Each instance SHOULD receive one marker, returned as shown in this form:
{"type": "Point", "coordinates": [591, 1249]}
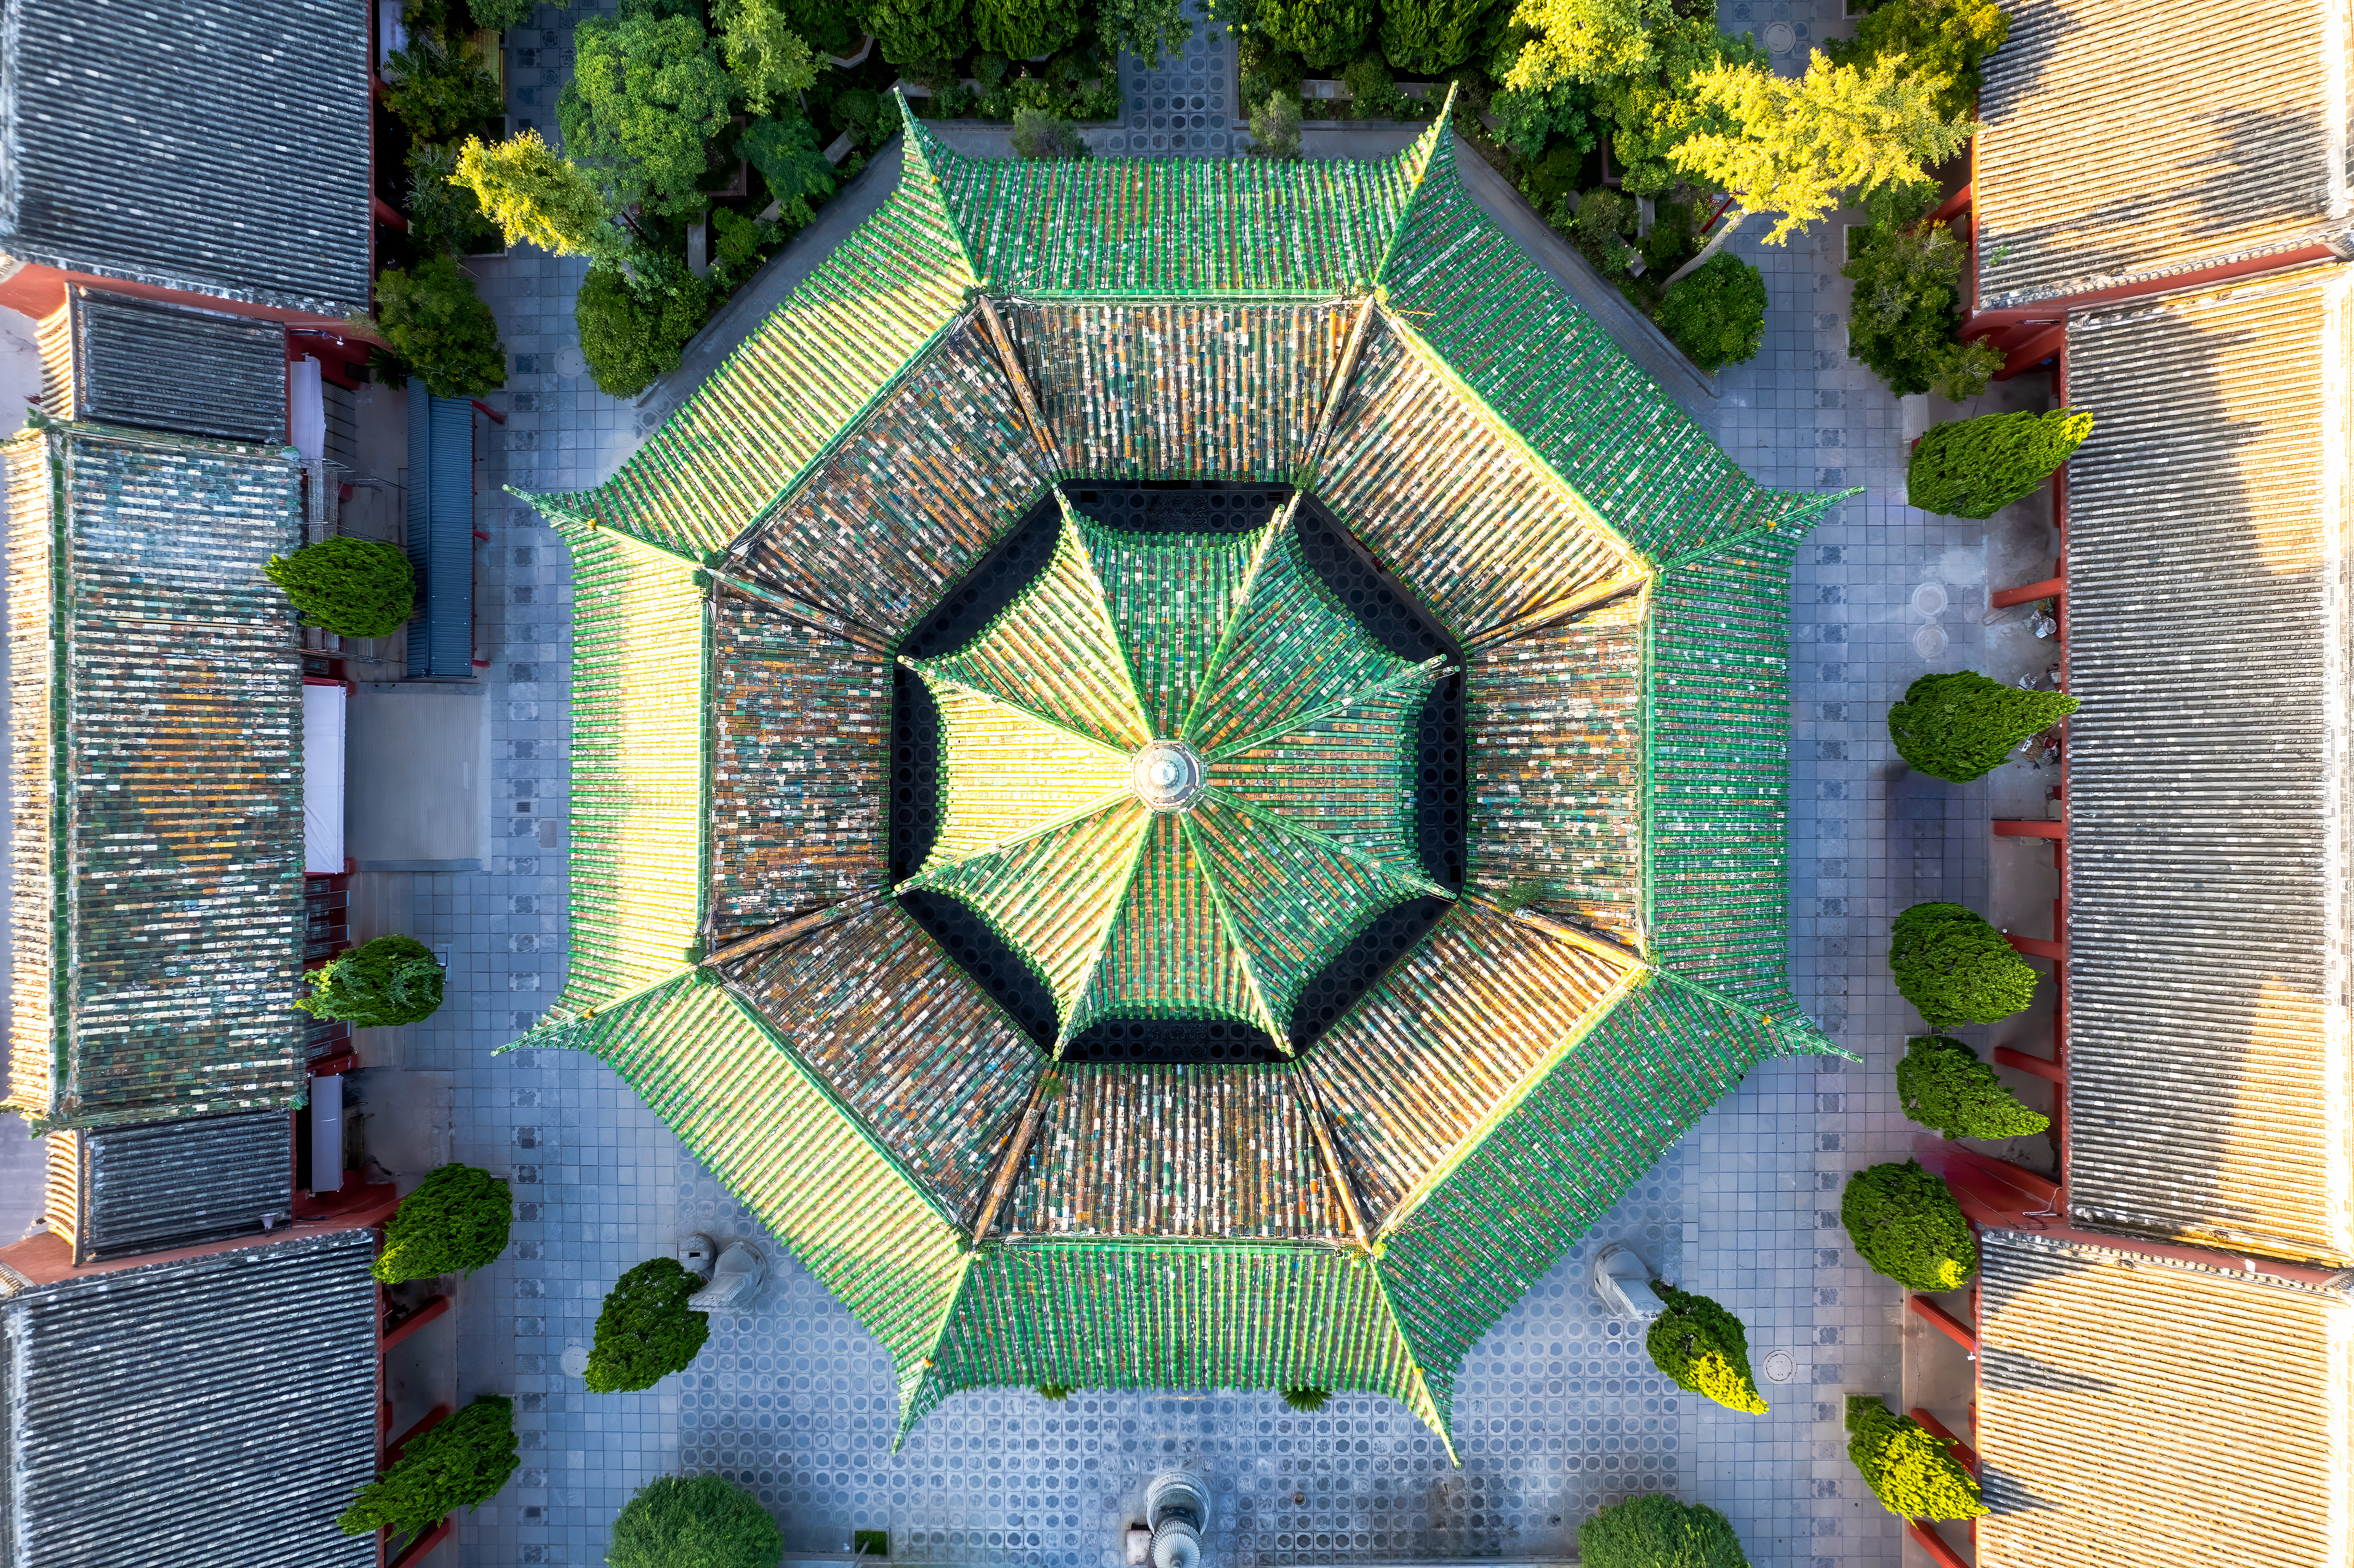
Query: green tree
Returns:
{"type": "Point", "coordinates": [1943, 1085]}
{"type": "Point", "coordinates": [354, 588]}
{"type": "Point", "coordinates": [1911, 1470]}
{"type": "Point", "coordinates": [1526, 120]}
{"type": "Point", "coordinates": [1425, 37]}
{"type": "Point", "coordinates": [647, 95]}
{"type": "Point", "coordinates": [646, 1332]}
{"type": "Point", "coordinates": [1904, 1224]}
{"type": "Point", "coordinates": [431, 317]}
{"type": "Point", "coordinates": [505, 14]}
{"type": "Point", "coordinates": [1037, 135]}
{"type": "Point", "coordinates": [1960, 725]}
{"type": "Point", "coordinates": [829, 26]}
{"type": "Point", "coordinates": [390, 981]}
{"type": "Point", "coordinates": [1700, 1346]}
{"type": "Point", "coordinates": [1800, 146]}
{"type": "Point", "coordinates": [768, 59]}
{"type": "Point", "coordinates": [1717, 313]}
{"type": "Point", "coordinates": [1145, 28]}
{"type": "Point", "coordinates": [633, 328]}
{"type": "Point", "coordinates": [1942, 42]}
{"type": "Point", "coordinates": [537, 195]}
{"type": "Point", "coordinates": [443, 215]}
{"type": "Point", "coordinates": [1019, 29]}
{"type": "Point", "coordinates": [697, 1522]}
{"type": "Point", "coordinates": [456, 1221]}
{"type": "Point", "coordinates": [790, 163]}
{"type": "Point", "coordinates": [1657, 1531]}
{"type": "Point", "coordinates": [1653, 111]}
{"type": "Point", "coordinates": [1905, 305]}
{"type": "Point", "coordinates": [1275, 127]}
{"type": "Point", "coordinates": [1954, 968]}
{"type": "Point", "coordinates": [1973, 468]}
{"type": "Point", "coordinates": [461, 1463]}
{"type": "Point", "coordinates": [439, 93]}
{"type": "Point", "coordinates": [921, 31]}
{"type": "Point", "coordinates": [1585, 40]}
{"type": "Point", "coordinates": [1327, 34]}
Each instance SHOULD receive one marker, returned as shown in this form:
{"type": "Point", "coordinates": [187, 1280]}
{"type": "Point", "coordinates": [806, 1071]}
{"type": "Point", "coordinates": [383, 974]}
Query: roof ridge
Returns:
{"type": "Point", "coordinates": [1798, 1033]}
{"type": "Point", "coordinates": [920, 169]}
{"type": "Point", "coordinates": [1424, 1402]}
{"type": "Point", "coordinates": [1432, 152]}
{"type": "Point", "coordinates": [1808, 509]}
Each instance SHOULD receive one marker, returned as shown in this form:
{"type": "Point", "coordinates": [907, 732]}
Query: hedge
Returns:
{"type": "Point", "coordinates": [645, 1332]}
{"type": "Point", "coordinates": [378, 984]}
{"type": "Point", "coordinates": [1961, 724]}
{"type": "Point", "coordinates": [454, 1222]}
{"type": "Point", "coordinates": [354, 588]}
{"type": "Point", "coordinates": [1702, 1347]}
{"type": "Point", "coordinates": [1973, 468]}
{"type": "Point", "coordinates": [1905, 1225]}
{"type": "Point", "coordinates": [697, 1522]}
{"type": "Point", "coordinates": [461, 1463]}
{"type": "Point", "coordinates": [1954, 968]}
{"type": "Point", "coordinates": [1911, 1470]}
{"type": "Point", "coordinates": [1658, 1532]}
{"type": "Point", "coordinates": [1943, 1085]}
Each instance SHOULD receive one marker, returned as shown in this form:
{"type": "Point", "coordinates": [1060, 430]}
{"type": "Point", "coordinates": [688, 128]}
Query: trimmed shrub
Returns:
{"type": "Point", "coordinates": [1943, 1085]}
{"type": "Point", "coordinates": [693, 1521]}
{"type": "Point", "coordinates": [1658, 1532]}
{"type": "Point", "coordinates": [1961, 724]}
{"type": "Point", "coordinates": [379, 984]}
{"type": "Point", "coordinates": [1905, 1225]}
{"type": "Point", "coordinates": [354, 588]}
{"type": "Point", "coordinates": [1912, 1472]}
{"type": "Point", "coordinates": [1327, 34]}
{"type": "Point", "coordinates": [1954, 968]}
{"type": "Point", "coordinates": [1973, 468]}
{"type": "Point", "coordinates": [644, 1331]}
{"type": "Point", "coordinates": [454, 1222]}
{"type": "Point", "coordinates": [1700, 1346]}
{"type": "Point", "coordinates": [1037, 135]}
{"type": "Point", "coordinates": [1717, 315]}
{"type": "Point", "coordinates": [1307, 1400]}
{"type": "Point", "coordinates": [1428, 36]}
{"type": "Point", "coordinates": [631, 332]}
{"type": "Point", "coordinates": [440, 327]}
{"type": "Point", "coordinates": [1020, 29]}
{"type": "Point", "coordinates": [461, 1463]}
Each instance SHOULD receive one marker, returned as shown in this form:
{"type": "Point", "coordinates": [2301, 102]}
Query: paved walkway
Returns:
{"type": "Point", "coordinates": [1558, 1412]}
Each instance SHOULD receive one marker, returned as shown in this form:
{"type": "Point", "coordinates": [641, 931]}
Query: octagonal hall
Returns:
{"type": "Point", "coordinates": [1179, 774]}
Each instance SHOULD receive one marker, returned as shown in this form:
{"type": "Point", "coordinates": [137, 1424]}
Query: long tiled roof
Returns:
{"type": "Point", "coordinates": [156, 776]}
{"type": "Point", "coordinates": [1356, 1215]}
{"type": "Point", "coordinates": [218, 148]}
{"type": "Point", "coordinates": [2096, 167]}
{"type": "Point", "coordinates": [2210, 1092]}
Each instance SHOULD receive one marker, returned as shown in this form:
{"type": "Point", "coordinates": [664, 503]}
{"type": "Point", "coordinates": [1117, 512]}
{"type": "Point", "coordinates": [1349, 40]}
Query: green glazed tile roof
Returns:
{"type": "Point", "coordinates": [1355, 1215]}
{"type": "Point", "coordinates": [156, 778]}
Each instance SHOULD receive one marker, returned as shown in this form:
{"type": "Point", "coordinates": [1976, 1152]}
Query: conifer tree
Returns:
{"type": "Point", "coordinates": [1911, 1471]}
{"type": "Point", "coordinates": [1960, 725]}
{"type": "Point", "coordinates": [1943, 1085]}
{"type": "Point", "coordinates": [1973, 468]}
{"type": "Point", "coordinates": [1954, 968]}
{"type": "Point", "coordinates": [1700, 1346]}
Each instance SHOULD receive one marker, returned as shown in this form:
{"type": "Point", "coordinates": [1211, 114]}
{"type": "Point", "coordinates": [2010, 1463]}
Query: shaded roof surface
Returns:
{"type": "Point", "coordinates": [2099, 166]}
{"type": "Point", "coordinates": [1355, 1217]}
{"type": "Point", "coordinates": [2134, 1410]}
{"type": "Point", "coordinates": [262, 1432]}
{"type": "Point", "coordinates": [155, 775]}
{"type": "Point", "coordinates": [193, 144]}
{"type": "Point", "coordinates": [126, 361]}
{"type": "Point", "coordinates": [2210, 1090]}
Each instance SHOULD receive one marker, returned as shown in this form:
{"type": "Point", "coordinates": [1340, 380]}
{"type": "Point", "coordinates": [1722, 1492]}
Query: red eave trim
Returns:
{"type": "Point", "coordinates": [1977, 323]}
{"type": "Point", "coordinates": [1945, 1322]}
{"type": "Point", "coordinates": [414, 1321]}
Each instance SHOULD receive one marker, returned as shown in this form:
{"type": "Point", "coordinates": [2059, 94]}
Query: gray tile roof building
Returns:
{"type": "Point", "coordinates": [127, 361]}
{"type": "Point", "coordinates": [123, 1190]}
{"type": "Point", "coordinates": [193, 144]}
{"type": "Point", "coordinates": [215, 1409]}
{"type": "Point", "coordinates": [156, 713]}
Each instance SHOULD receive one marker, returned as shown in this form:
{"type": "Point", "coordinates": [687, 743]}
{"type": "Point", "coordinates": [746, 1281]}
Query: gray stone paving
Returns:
{"type": "Point", "coordinates": [1557, 1412]}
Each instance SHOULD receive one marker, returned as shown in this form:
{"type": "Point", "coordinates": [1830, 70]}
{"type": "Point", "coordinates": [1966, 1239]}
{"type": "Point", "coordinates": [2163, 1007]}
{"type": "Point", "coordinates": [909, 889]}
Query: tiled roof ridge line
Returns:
{"type": "Point", "coordinates": [1422, 1401]}
{"type": "Point", "coordinates": [913, 1404]}
{"type": "Point", "coordinates": [2339, 1284]}
{"type": "Point", "coordinates": [1075, 528]}
{"type": "Point", "coordinates": [1336, 1172]}
{"type": "Point", "coordinates": [1279, 526]}
{"type": "Point", "coordinates": [1266, 1019]}
{"type": "Point", "coordinates": [1561, 930]}
{"type": "Point", "coordinates": [1008, 1175]}
{"type": "Point", "coordinates": [1806, 509]}
{"type": "Point", "coordinates": [1433, 151]}
{"type": "Point", "coordinates": [2069, 292]}
{"type": "Point", "coordinates": [1335, 392]}
{"type": "Point", "coordinates": [133, 435]}
{"type": "Point", "coordinates": [1008, 362]}
{"type": "Point", "coordinates": [1102, 941]}
{"type": "Point", "coordinates": [2115, 314]}
{"type": "Point", "coordinates": [43, 442]}
{"type": "Point", "coordinates": [921, 159]}
{"type": "Point", "coordinates": [1799, 1034]}
{"type": "Point", "coordinates": [1431, 671]}
{"type": "Point", "coordinates": [552, 1032]}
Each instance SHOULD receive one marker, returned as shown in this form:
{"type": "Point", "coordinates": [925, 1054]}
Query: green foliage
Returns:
{"type": "Point", "coordinates": [1943, 1085]}
{"type": "Point", "coordinates": [439, 93]}
{"type": "Point", "coordinates": [1912, 1472]}
{"type": "Point", "coordinates": [1716, 314]}
{"type": "Point", "coordinates": [431, 317]}
{"type": "Point", "coordinates": [443, 215]}
{"type": "Point", "coordinates": [461, 1463]}
{"type": "Point", "coordinates": [1954, 968]}
{"type": "Point", "coordinates": [1658, 1532]}
{"type": "Point", "coordinates": [1275, 127]}
{"type": "Point", "coordinates": [647, 95]}
{"type": "Point", "coordinates": [1961, 724]}
{"type": "Point", "coordinates": [1326, 34]}
{"type": "Point", "coordinates": [739, 245]}
{"type": "Point", "coordinates": [537, 195]}
{"type": "Point", "coordinates": [770, 60]}
{"type": "Point", "coordinates": [1602, 220]}
{"type": "Point", "coordinates": [1700, 1346]}
{"type": "Point", "coordinates": [1306, 1401]}
{"type": "Point", "coordinates": [868, 116]}
{"type": "Point", "coordinates": [1373, 90]}
{"type": "Point", "coordinates": [644, 1331]}
{"type": "Point", "coordinates": [699, 1521]}
{"type": "Point", "coordinates": [1020, 29]}
{"type": "Point", "coordinates": [1145, 28]}
{"type": "Point", "coordinates": [1585, 40]}
{"type": "Point", "coordinates": [789, 160]}
{"type": "Point", "coordinates": [633, 328]}
{"type": "Point", "coordinates": [1973, 468]}
{"type": "Point", "coordinates": [1652, 111]}
{"type": "Point", "coordinates": [354, 588]}
{"type": "Point", "coordinates": [1941, 42]}
{"type": "Point", "coordinates": [827, 26]}
{"type": "Point", "coordinates": [1037, 135]}
{"type": "Point", "coordinates": [1905, 1225]}
{"type": "Point", "coordinates": [1563, 113]}
{"type": "Point", "coordinates": [1056, 1393]}
{"type": "Point", "coordinates": [393, 980]}
{"type": "Point", "coordinates": [1907, 304]}
{"type": "Point", "coordinates": [913, 32]}
{"type": "Point", "coordinates": [505, 14]}
{"type": "Point", "coordinates": [455, 1223]}
{"type": "Point", "coordinates": [1426, 36]}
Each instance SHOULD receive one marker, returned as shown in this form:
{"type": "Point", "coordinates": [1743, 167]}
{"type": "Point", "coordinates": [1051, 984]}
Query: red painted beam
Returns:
{"type": "Point", "coordinates": [1962, 1451]}
{"type": "Point", "coordinates": [1943, 1320]}
{"type": "Point", "coordinates": [496, 418]}
{"type": "Point", "coordinates": [426, 1542]}
{"type": "Point", "coordinates": [2045, 344]}
{"type": "Point", "coordinates": [1954, 207]}
{"type": "Point", "coordinates": [2049, 587]}
{"type": "Point", "coordinates": [2029, 828]}
{"type": "Point", "coordinates": [2049, 1071]}
{"type": "Point", "coordinates": [414, 1321]}
{"type": "Point", "coordinates": [387, 216]}
{"type": "Point", "coordinates": [1943, 1555]}
{"type": "Point", "coordinates": [433, 1417]}
{"type": "Point", "coordinates": [2036, 948]}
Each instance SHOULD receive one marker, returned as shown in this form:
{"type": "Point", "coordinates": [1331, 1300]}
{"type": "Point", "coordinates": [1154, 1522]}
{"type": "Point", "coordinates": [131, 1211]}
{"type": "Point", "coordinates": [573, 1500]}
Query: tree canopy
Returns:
{"type": "Point", "coordinates": [647, 95]}
{"type": "Point", "coordinates": [538, 195]}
